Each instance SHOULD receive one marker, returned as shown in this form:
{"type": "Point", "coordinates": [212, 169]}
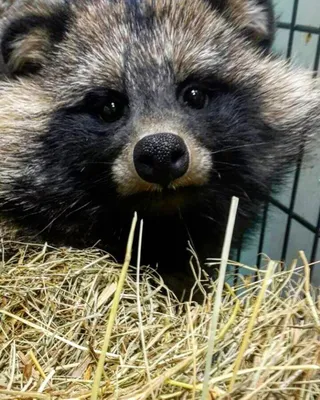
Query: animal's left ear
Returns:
{"type": "Point", "coordinates": [31, 33]}
{"type": "Point", "coordinates": [255, 18]}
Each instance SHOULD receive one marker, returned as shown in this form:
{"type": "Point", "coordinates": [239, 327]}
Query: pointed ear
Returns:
{"type": "Point", "coordinates": [255, 18]}
{"type": "Point", "coordinates": [30, 35]}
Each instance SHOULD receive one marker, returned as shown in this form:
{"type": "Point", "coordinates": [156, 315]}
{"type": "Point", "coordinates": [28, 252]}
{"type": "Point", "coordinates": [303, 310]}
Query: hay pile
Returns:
{"type": "Point", "coordinates": [56, 314]}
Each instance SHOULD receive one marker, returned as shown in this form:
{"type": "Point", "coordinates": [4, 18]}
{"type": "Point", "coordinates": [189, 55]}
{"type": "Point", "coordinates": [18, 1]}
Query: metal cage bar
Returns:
{"type": "Point", "coordinates": [289, 211]}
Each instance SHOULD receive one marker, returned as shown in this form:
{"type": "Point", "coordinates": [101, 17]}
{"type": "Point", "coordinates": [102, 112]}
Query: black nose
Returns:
{"type": "Point", "coordinates": [161, 158]}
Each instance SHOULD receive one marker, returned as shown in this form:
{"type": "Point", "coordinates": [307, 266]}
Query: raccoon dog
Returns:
{"type": "Point", "coordinates": [164, 107]}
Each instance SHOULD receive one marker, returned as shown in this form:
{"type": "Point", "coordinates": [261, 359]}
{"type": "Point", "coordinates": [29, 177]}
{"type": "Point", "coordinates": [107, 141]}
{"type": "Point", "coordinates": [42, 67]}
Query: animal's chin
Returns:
{"type": "Point", "coordinates": [166, 202]}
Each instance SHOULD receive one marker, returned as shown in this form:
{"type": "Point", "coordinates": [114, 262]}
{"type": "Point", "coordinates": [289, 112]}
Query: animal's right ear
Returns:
{"type": "Point", "coordinates": [29, 37]}
{"type": "Point", "coordinates": [255, 18]}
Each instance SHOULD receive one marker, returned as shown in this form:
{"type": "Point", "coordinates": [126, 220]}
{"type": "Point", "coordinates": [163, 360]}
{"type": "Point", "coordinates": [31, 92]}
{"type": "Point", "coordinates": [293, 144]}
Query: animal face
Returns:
{"type": "Point", "coordinates": [163, 107]}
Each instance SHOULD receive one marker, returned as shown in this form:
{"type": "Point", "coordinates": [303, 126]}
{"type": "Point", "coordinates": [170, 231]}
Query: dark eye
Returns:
{"type": "Point", "coordinates": [113, 108]}
{"type": "Point", "coordinates": [195, 97]}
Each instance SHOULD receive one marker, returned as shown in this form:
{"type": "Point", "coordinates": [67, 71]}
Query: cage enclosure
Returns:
{"type": "Point", "coordinates": [291, 220]}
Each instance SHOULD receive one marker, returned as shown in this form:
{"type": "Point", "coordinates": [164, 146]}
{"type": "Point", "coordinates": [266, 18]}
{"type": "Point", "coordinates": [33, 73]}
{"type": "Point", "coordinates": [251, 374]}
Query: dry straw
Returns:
{"type": "Point", "coordinates": [75, 325]}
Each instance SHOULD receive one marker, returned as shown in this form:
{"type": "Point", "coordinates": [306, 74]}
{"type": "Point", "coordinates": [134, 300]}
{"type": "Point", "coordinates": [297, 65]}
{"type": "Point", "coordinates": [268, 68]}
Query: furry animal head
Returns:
{"type": "Point", "coordinates": [163, 107]}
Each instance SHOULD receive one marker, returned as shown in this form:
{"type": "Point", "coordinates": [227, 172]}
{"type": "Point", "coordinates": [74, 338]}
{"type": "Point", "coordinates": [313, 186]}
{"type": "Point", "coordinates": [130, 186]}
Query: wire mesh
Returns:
{"type": "Point", "coordinates": [291, 215]}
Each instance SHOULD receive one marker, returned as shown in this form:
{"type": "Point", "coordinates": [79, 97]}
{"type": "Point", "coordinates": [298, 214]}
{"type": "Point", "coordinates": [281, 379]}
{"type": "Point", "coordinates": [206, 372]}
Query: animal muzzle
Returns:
{"type": "Point", "coordinates": [161, 158]}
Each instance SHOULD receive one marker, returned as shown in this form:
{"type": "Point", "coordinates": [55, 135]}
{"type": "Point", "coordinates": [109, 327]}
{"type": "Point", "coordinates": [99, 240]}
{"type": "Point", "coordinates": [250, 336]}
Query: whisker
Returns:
{"type": "Point", "coordinates": [100, 163]}
{"type": "Point", "coordinates": [186, 228]}
{"type": "Point", "coordinates": [227, 163]}
{"type": "Point", "coordinates": [78, 209]}
{"type": "Point", "coordinates": [210, 218]}
{"type": "Point", "coordinates": [238, 147]}
{"type": "Point", "coordinates": [58, 216]}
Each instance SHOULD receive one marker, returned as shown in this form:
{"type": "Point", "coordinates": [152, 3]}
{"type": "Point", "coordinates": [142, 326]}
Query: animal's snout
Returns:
{"type": "Point", "coordinates": [161, 158]}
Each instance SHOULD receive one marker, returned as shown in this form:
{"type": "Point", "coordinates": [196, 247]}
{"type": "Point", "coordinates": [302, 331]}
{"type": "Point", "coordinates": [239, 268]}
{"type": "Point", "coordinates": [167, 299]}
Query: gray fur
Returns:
{"type": "Point", "coordinates": [49, 186]}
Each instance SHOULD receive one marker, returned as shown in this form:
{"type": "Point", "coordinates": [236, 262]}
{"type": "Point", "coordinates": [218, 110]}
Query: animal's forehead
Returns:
{"type": "Point", "coordinates": [112, 35]}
